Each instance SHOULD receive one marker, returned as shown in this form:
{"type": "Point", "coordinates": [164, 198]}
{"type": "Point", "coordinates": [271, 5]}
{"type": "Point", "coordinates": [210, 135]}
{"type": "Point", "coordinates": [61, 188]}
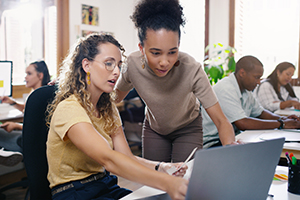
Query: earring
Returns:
{"type": "Point", "coordinates": [143, 61]}
{"type": "Point", "coordinates": [88, 78]}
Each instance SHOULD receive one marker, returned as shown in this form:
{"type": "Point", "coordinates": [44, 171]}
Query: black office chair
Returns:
{"type": "Point", "coordinates": [132, 118]}
{"type": "Point", "coordinates": [35, 133]}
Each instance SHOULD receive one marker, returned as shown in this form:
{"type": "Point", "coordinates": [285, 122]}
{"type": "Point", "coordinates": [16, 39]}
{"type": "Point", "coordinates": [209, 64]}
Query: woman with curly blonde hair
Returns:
{"type": "Point", "coordinates": [86, 140]}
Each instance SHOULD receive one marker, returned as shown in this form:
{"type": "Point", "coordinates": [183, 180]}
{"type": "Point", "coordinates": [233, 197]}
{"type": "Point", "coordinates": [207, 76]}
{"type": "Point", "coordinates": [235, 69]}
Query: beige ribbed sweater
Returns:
{"type": "Point", "coordinates": [171, 100]}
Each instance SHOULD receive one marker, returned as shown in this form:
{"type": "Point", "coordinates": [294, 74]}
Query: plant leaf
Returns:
{"type": "Point", "coordinates": [215, 72]}
{"type": "Point", "coordinates": [231, 64]}
{"type": "Point", "coordinates": [206, 69]}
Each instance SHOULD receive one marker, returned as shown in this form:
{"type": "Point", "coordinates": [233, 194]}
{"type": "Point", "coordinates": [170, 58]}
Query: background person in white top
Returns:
{"type": "Point", "coordinates": [276, 92]}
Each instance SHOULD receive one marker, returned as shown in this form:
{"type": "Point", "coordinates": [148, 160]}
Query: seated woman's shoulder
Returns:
{"type": "Point", "coordinates": [265, 83]}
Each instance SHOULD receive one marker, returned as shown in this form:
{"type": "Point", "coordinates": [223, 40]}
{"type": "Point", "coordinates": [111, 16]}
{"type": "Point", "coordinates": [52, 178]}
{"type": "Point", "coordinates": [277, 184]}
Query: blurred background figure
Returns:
{"type": "Point", "coordinates": [275, 92]}
{"type": "Point", "coordinates": [37, 75]}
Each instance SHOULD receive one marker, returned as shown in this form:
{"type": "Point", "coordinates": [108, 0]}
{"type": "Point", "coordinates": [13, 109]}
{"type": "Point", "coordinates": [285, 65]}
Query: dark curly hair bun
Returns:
{"type": "Point", "coordinates": [150, 8]}
{"type": "Point", "coordinates": [157, 14]}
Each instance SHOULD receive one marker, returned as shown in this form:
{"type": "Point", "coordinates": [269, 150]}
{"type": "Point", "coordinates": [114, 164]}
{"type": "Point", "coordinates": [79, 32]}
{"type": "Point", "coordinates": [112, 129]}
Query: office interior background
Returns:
{"type": "Point", "coordinates": [46, 29]}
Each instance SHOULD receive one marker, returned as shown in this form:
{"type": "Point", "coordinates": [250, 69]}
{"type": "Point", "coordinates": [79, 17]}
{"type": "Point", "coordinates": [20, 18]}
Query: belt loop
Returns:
{"type": "Point", "coordinates": [77, 184]}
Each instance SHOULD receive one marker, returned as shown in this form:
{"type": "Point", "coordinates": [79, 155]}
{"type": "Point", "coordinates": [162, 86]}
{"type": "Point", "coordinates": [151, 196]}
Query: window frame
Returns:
{"type": "Point", "coordinates": [295, 81]}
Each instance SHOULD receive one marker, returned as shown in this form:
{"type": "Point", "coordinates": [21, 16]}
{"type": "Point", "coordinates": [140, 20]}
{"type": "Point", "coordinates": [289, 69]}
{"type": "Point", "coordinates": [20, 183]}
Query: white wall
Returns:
{"type": "Point", "coordinates": [192, 35]}
{"type": "Point", "coordinates": [113, 17]}
{"type": "Point", "coordinates": [219, 22]}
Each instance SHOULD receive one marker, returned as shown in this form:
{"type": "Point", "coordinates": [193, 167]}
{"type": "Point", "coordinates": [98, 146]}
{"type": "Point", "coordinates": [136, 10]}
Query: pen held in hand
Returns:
{"type": "Point", "coordinates": [188, 158]}
{"type": "Point", "coordinates": [174, 170]}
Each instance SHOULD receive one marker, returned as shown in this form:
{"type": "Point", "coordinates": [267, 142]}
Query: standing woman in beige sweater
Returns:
{"type": "Point", "coordinates": [171, 83]}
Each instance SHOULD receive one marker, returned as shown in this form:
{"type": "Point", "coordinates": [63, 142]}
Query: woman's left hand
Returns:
{"type": "Point", "coordinates": [296, 104]}
{"type": "Point", "coordinates": [10, 126]}
{"type": "Point", "coordinates": [6, 99]}
{"type": "Point", "coordinates": [179, 168]}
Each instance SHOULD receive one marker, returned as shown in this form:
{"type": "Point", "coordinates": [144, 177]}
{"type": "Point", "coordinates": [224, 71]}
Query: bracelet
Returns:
{"type": "Point", "coordinates": [157, 166]}
{"type": "Point", "coordinates": [12, 104]}
{"type": "Point", "coordinates": [281, 123]}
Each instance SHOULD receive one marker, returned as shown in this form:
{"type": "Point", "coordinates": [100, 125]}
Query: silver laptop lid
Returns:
{"type": "Point", "coordinates": [235, 172]}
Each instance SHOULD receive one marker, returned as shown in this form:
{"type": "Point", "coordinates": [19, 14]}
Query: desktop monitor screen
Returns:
{"type": "Point", "coordinates": [6, 78]}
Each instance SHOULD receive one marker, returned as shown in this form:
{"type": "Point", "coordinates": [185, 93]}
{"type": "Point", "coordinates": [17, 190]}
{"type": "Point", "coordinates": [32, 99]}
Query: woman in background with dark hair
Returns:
{"type": "Point", "coordinates": [276, 92]}
{"type": "Point", "coordinates": [37, 75]}
{"type": "Point", "coordinates": [42, 72]}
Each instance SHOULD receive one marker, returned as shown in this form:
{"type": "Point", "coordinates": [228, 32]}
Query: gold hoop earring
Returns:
{"type": "Point", "coordinates": [143, 61]}
{"type": "Point", "coordinates": [88, 78]}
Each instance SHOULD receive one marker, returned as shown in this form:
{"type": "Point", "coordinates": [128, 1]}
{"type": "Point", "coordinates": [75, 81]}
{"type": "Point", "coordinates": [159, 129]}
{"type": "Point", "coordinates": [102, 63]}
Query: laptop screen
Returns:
{"type": "Point", "coordinates": [233, 172]}
{"type": "Point", "coordinates": [6, 78]}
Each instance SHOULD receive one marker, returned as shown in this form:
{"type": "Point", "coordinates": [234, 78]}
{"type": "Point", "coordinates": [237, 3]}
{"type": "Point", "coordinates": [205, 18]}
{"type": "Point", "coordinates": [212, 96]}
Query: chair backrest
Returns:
{"type": "Point", "coordinates": [35, 133]}
{"type": "Point", "coordinates": [132, 111]}
{"type": "Point", "coordinates": [132, 118]}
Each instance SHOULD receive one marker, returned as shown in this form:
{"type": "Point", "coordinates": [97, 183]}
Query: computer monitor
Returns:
{"type": "Point", "coordinates": [6, 68]}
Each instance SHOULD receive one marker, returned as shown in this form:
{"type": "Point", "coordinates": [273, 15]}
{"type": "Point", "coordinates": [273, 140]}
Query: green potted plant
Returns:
{"type": "Point", "coordinates": [219, 63]}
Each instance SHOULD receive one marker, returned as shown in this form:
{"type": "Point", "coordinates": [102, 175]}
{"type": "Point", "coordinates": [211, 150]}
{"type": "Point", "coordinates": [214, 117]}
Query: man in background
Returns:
{"type": "Point", "coordinates": [240, 107]}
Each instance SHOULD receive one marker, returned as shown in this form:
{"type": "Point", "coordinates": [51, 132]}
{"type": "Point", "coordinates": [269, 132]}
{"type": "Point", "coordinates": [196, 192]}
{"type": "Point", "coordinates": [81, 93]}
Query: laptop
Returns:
{"type": "Point", "coordinates": [232, 172]}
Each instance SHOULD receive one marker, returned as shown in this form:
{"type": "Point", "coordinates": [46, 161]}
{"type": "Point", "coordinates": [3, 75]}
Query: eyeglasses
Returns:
{"type": "Point", "coordinates": [111, 64]}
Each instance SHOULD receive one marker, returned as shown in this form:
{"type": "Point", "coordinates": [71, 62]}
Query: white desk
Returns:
{"type": "Point", "coordinates": [9, 113]}
{"type": "Point", "coordinates": [260, 135]}
{"type": "Point", "coordinates": [287, 111]}
{"type": "Point", "coordinates": [146, 191]}
{"type": "Point", "coordinates": [277, 188]}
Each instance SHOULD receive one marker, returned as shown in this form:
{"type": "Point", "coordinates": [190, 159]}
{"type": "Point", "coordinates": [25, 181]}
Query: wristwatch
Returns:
{"type": "Point", "coordinates": [157, 166]}
{"type": "Point", "coordinates": [281, 123]}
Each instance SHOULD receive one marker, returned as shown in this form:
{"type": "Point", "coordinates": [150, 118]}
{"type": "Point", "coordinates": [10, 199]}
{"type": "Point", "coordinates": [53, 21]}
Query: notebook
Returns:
{"type": "Point", "coordinates": [233, 172]}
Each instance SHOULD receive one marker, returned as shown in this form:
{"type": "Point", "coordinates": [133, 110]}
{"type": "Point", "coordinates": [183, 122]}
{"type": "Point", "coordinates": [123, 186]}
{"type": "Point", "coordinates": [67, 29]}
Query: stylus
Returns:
{"type": "Point", "coordinates": [173, 170]}
{"type": "Point", "coordinates": [188, 158]}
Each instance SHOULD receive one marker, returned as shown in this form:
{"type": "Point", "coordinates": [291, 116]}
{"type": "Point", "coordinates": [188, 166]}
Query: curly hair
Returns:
{"type": "Point", "coordinates": [157, 14]}
{"type": "Point", "coordinates": [72, 80]}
